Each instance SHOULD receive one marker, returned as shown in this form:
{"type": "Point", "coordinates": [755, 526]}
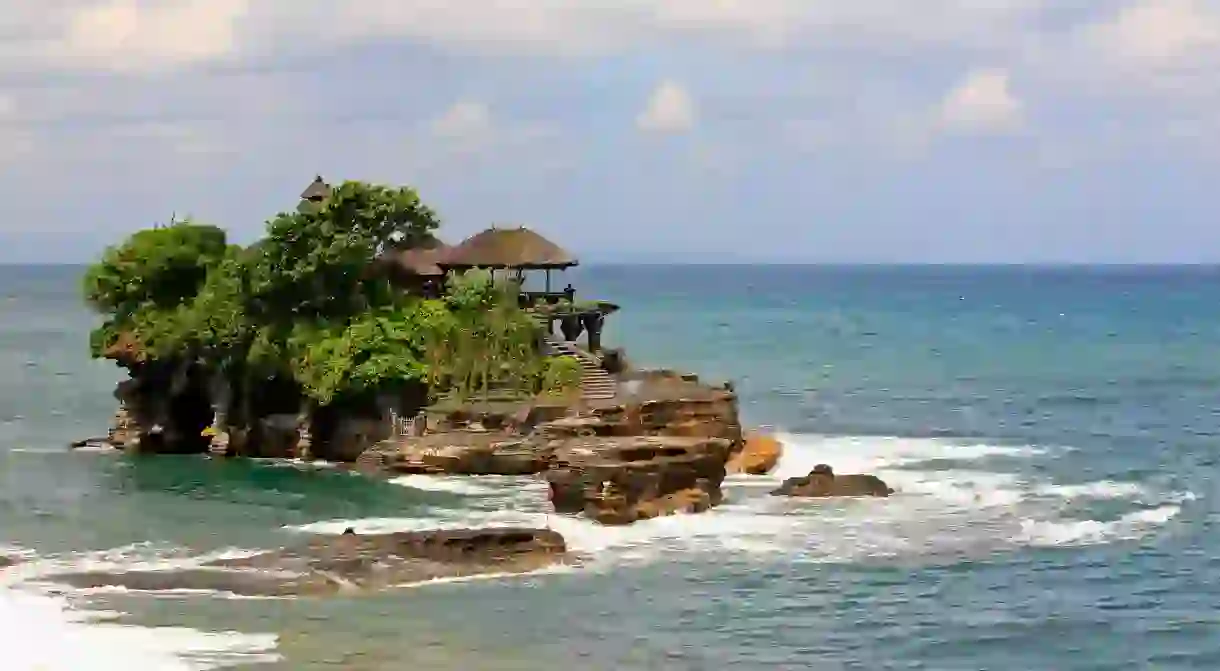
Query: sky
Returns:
{"type": "Point", "coordinates": [937, 131]}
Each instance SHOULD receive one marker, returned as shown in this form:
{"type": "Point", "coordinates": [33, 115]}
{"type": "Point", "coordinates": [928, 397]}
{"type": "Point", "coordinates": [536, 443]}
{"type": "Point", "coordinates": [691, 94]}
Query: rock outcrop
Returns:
{"type": "Point", "coordinates": [353, 563]}
{"type": "Point", "coordinates": [758, 456]}
{"type": "Point", "coordinates": [159, 412]}
{"type": "Point", "coordinates": [459, 453]}
{"type": "Point", "coordinates": [822, 482]}
{"type": "Point", "coordinates": [624, 480]}
{"type": "Point", "coordinates": [670, 408]}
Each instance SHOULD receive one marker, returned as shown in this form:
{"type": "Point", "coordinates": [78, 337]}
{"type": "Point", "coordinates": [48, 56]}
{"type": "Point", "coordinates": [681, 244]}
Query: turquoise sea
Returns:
{"type": "Point", "coordinates": [1053, 434]}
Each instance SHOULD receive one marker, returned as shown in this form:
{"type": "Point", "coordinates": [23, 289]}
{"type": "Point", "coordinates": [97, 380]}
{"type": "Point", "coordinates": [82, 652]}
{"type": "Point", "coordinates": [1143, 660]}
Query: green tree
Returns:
{"type": "Point", "coordinates": [316, 264]}
{"type": "Point", "coordinates": [144, 287]}
{"type": "Point", "coordinates": [160, 267]}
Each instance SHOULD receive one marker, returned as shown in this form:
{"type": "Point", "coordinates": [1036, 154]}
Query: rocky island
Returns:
{"type": "Point", "coordinates": [351, 333]}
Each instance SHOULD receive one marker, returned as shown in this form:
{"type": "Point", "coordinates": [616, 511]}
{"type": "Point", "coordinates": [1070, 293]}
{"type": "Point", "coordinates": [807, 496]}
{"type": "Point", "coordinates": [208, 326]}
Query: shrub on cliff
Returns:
{"type": "Point", "coordinates": [492, 341]}
{"type": "Point", "coordinates": [562, 375]}
{"type": "Point", "coordinates": [160, 267]}
{"type": "Point", "coordinates": [145, 286]}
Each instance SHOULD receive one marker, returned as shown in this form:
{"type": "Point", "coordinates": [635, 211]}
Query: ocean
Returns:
{"type": "Point", "coordinates": [1052, 434]}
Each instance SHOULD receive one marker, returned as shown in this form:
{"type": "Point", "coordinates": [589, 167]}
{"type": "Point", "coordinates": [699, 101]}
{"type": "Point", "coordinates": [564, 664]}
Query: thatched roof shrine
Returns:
{"type": "Point", "coordinates": [318, 189]}
{"type": "Point", "coordinates": [515, 248]}
{"type": "Point", "coordinates": [420, 258]}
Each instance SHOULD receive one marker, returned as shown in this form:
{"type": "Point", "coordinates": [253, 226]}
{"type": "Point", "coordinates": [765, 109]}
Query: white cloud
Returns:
{"type": "Point", "coordinates": [127, 35]}
{"type": "Point", "coordinates": [982, 103]}
{"type": "Point", "coordinates": [464, 121]}
{"type": "Point", "coordinates": [670, 109]}
{"type": "Point", "coordinates": [561, 26]}
{"type": "Point", "coordinates": [142, 34]}
{"type": "Point", "coordinates": [1159, 33]}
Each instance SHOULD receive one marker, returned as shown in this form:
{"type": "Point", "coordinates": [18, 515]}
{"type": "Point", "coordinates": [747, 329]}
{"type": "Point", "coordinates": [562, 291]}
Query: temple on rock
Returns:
{"type": "Point", "coordinates": [514, 254]}
{"type": "Point", "coordinates": [508, 377]}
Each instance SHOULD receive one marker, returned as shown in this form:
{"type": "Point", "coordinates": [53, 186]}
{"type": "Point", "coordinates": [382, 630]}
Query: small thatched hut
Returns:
{"type": "Point", "coordinates": [313, 195]}
{"type": "Point", "coordinates": [317, 191]}
{"type": "Point", "coordinates": [415, 268]}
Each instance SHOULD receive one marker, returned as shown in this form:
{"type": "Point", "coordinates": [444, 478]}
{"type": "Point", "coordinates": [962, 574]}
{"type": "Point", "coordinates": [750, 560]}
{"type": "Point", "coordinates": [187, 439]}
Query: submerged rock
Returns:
{"type": "Point", "coordinates": [95, 443]}
{"type": "Point", "coordinates": [822, 482]}
{"type": "Point", "coordinates": [353, 562]}
{"type": "Point", "coordinates": [624, 480]}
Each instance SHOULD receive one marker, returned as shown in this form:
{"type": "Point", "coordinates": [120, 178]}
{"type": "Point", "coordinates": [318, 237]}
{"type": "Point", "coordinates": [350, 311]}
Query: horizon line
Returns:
{"type": "Point", "coordinates": [806, 264]}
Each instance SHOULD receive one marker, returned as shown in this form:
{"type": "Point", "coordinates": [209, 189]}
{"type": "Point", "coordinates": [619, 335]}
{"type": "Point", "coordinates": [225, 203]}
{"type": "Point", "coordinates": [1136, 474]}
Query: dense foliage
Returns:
{"type": "Point", "coordinates": [306, 303]}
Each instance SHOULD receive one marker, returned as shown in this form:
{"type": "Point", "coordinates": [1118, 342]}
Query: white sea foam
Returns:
{"type": "Point", "coordinates": [433, 483]}
{"type": "Point", "coordinates": [949, 502]}
{"type": "Point", "coordinates": [1074, 533]}
{"type": "Point", "coordinates": [1102, 489]}
{"type": "Point", "coordinates": [49, 631]}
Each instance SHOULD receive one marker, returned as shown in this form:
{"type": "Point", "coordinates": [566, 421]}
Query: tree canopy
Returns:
{"type": "Point", "coordinates": [306, 303]}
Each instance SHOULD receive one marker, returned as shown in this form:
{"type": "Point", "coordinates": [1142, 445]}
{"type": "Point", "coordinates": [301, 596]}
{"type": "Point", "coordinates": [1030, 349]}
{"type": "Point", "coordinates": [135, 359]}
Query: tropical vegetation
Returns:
{"type": "Point", "coordinates": [306, 305]}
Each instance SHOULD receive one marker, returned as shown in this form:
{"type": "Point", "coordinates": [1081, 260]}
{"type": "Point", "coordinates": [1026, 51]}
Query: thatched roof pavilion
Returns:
{"type": "Point", "coordinates": [317, 190]}
{"type": "Point", "coordinates": [506, 248]}
{"type": "Point", "coordinates": [420, 258]}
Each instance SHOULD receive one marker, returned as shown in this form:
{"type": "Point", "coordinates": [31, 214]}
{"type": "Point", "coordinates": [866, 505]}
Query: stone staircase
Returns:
{"type": "Point", "coordinates": [595, 383]}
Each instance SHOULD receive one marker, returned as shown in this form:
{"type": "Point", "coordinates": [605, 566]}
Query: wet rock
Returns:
{"type": "Point", "coordinates": [758, 456]}
{"type": "Point", "coordinates": [659, 406]}
{"type": "Point", "coordinates": [459, 453]}
{"type": "Point", "coordinates": [822, 482]}
{"type": "Point", "coordinates": [95, 443]}
{"type": "Point", "coordinates": [353, 563]}
{"type": "Point", "coordinates": [624, 480]}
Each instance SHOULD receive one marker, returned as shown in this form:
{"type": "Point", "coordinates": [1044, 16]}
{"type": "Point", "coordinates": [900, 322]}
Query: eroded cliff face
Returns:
{"type": "Point", "coordinates": [624, 480]}
{"type": "Point", "coordinates": [163, 409]}
{"type": "Point", "coordinates": [706, 413]}
{"type": "Point", "coordinates": [658, 448]}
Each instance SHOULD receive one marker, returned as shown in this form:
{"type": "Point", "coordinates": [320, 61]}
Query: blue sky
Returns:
{"type": "Point", "coordinates": [692, 130]}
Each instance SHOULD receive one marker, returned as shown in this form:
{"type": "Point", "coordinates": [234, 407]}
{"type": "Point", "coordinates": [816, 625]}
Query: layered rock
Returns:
{"type": "Point", "coordinates": [459, 453]}
{"type": "Point", "coordinates": [822, 482]}
{"type": "Point", "coordinates": [624, 480]}
{"type": "Point", "coordinates": [354, 563]}
{"type": "Point", "coordinates": [668, 408]}
{"type": "Point", "coordinates": [758, 456]}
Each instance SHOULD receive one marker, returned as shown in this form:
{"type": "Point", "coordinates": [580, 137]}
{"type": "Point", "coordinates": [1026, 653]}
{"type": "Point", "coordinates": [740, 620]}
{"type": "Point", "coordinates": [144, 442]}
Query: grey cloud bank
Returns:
{"type": "Point", "coordinates": [794, 131]}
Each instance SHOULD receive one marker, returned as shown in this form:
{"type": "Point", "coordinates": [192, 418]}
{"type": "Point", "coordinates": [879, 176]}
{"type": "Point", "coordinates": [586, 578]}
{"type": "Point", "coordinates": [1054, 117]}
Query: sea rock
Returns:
{"type": "Point", "coordinates": [351, 437]}
{"type": "Point", "coordinates": [124, 432]}
{"type": "Point", "coordinates": [822, 482]}
{"type": "Point", "coordinates": [353, 563]}
{"type": "Point", "coordinates": [624, 480]}
{"type": "Point", "coordinates": [6, 562]}
{"type": "Point", "coordinates": [459, 453]}
{"type": "Point", "coordinates": [272, 437]}
{"type": "Point", "coordinates": [95, 443]}
{"type": "Point", "coordinates": [657, 406]}
{"type": "Point", "coordinates": [758, 456]}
